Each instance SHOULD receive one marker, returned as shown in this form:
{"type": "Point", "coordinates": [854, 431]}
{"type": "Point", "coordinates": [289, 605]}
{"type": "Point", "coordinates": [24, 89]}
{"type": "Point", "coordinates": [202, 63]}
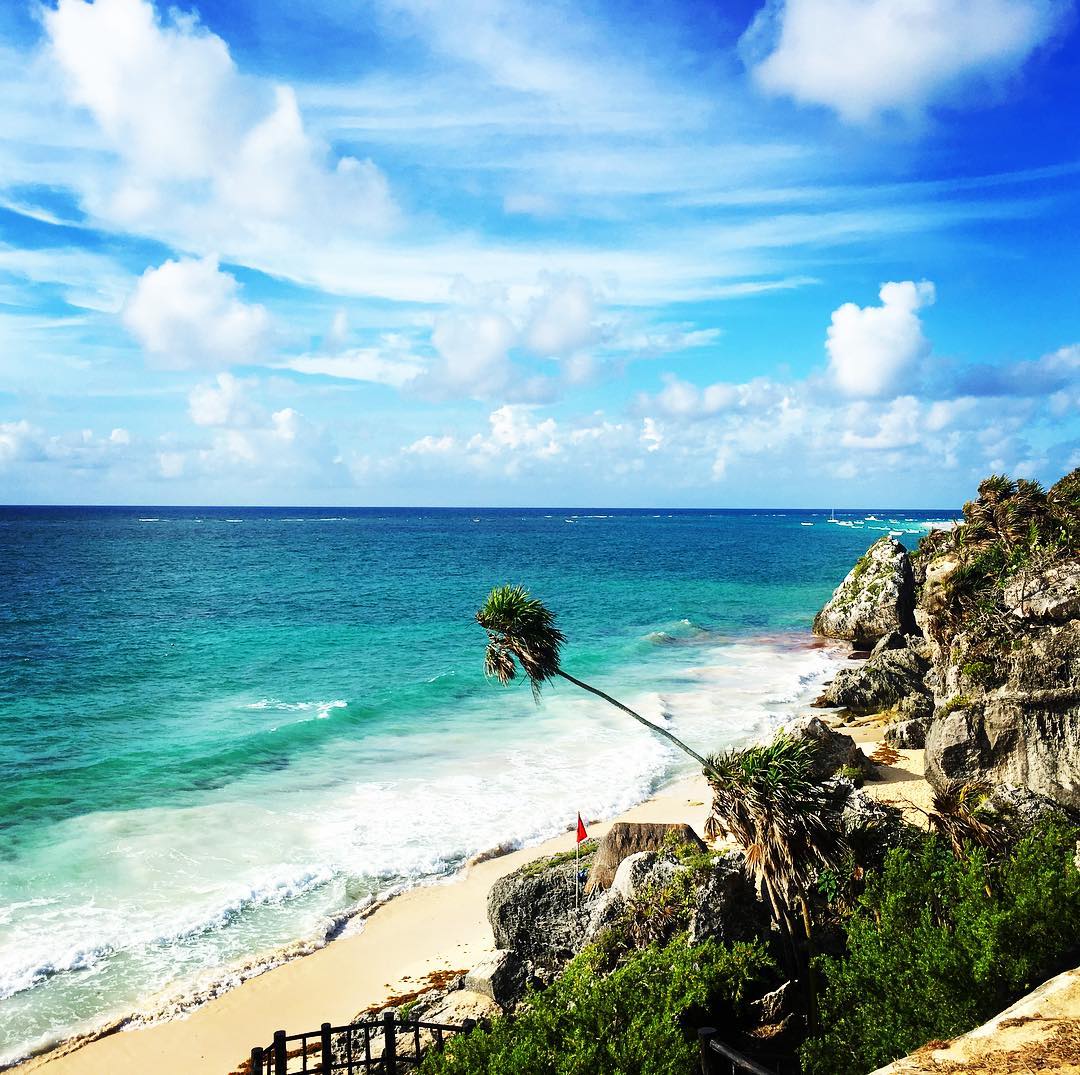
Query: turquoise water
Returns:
{"type": "Point", "coordinates": [224, 728]}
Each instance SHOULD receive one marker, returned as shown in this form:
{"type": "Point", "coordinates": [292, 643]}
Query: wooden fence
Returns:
{"type": "Point", "coordinates": [386, 1046]}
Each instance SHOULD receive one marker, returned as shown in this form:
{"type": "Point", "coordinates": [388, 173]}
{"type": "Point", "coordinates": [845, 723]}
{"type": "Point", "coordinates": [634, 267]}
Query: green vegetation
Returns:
{"type": "Point", "coordinates": [981, 672]}
{"type": "Point", "coordinates": [958, 701]}
{"type": "Point", "coordinates": [937, 944]}
{"type": "Point", "coordinates": [770, 802]}
{"type": "Point", "coordinates": [629, 1021]}
{"type": "Point", "coordinates": [1009, 528]}
{"type": "Point", "coordinates": [584, 855]}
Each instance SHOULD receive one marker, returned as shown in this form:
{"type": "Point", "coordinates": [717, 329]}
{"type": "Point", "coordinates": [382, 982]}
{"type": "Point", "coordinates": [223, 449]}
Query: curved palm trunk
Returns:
{"type": "Point", "coordinates": [641, 720]}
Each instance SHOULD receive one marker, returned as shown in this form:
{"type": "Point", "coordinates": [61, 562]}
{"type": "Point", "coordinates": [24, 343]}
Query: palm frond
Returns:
{"type": "Point", "coordinates": [520, 628]}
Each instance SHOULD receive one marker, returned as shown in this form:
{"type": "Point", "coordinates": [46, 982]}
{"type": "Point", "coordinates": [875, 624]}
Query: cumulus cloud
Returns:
{"type": "Point", "coordinates": [201, 146]}
{"type": "Point", "coordinates": [249, 439]}
{"type": "Point", "coordinates": [563, 319]}
{"type": "Point", "coordinates": [22, 442]}
{"type": "Point", "coordinates": [866, 57]}
{"type": "Point", "coordinates": [188, 313]}
{"type": "Point", "coordinates": [225, 402]}
{"type": "Point", "coordinates": [482, 341]}
{"type": "Point", "coordinates": [870, 348]}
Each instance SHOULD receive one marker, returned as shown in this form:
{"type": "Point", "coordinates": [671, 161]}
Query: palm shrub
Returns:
{"type": "Point", "coordinates": [936, 944]}
{"type": "Point", "coordinates": [768, 800]}
{"type": "Point", "coordinates": [630, 1021]}
{"type": "Point", "coordinates": [522, 633]}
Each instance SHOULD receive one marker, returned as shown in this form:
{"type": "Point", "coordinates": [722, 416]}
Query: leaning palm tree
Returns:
{"type": "Point", "coordinates": [521, 631]}
{"type": "Point", "coordinates": [768, 800]}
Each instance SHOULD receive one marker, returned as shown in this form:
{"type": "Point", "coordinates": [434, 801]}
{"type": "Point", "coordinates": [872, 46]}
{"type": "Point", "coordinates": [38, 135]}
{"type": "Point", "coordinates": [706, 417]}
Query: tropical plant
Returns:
{"type": "Point", "coordinates": [769, 801]}
{"type": "Point", "coordinates": [956, 816]}
{"type": "Point", "coordinates": [521, 631]}
{"type": "Point", "coordinates": [936, 944]}
{"type": "Point", "coordinates": [630, 1021]}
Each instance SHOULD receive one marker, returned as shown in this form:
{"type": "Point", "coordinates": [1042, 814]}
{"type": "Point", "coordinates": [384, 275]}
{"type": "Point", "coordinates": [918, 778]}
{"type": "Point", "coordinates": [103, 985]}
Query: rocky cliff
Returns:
{"type": "Point", "coordinates": [977, 640]}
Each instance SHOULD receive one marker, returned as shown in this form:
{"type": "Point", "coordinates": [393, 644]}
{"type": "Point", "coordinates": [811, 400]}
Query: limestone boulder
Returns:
{"type": "Point", "coordinates": [877, 596]}
{"type": "Point", "coordinates": [626, 838]}
{"type": "Point", "coordinates": [1048, 596]}
{"type": "Point", "coordinates": [907, 734]}
{"type": "Point", "coordinates": [532, 912]}
{"type": "Point", "coordinates": [880, 683]}
{"type": "Point", "coordinates": [832, 750]}
{"type": "Point", "coordinates": [503, 977]}
{"type": "Point", "coordinates": [1024, 740]}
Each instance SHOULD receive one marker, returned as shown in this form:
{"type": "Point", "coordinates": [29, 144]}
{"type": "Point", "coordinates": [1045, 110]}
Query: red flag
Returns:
{"type": "Point", "coordinates": [581, 833]}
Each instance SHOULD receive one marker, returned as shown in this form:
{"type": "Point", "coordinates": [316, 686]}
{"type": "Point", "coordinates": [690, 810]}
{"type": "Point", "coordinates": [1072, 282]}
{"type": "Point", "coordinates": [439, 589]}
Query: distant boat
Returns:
{"type": "Point", "coordinates": [833, 519]}
{"type": "Point", "coordinates": [806, 524]}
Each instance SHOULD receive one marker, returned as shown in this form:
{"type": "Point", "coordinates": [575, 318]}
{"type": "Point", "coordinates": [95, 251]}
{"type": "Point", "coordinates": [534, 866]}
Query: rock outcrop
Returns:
{"type": "Point", "coordinates": [532, 912]}
{"type": "Point", "coordinates": [887, 677]}
{"type": "Point", "coordinates": [976, 641]}
{"type": "Point", "coordinates": [876, 597]}
{"type": "Point", "coordinates": [833, 751]}
{"type": "Point", "coordinates": [626, 838]}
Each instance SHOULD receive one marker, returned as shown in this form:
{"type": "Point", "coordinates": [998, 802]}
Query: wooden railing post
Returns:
{"type": "Point", "coordinates": [281, 1060]}
{"type": "Point", "coordinates": [257, 1061]}
{"type": "Point", "coordinates": [327, 1050]}
{"type": "Point", "coordinates": [389, 1044]}
{"type": "Point", "coordinates": [704, 1034]}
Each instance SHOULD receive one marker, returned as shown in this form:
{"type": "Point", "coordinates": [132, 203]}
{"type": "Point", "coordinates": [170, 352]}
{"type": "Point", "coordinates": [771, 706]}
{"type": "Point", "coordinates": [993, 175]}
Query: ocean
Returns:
{"type": "Point", "coordinates": [224, 730]}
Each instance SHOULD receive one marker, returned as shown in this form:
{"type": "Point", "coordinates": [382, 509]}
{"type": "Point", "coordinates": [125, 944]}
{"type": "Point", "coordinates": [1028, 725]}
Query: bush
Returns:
{"type": "Point", "coordinates": [628, 1021]}
{"type": "Point", "coordinates": [936, 945]}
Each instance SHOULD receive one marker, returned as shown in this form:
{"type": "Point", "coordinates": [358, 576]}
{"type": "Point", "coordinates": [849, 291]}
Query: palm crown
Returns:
{"type": "Point", "coordinates": [520, 628]}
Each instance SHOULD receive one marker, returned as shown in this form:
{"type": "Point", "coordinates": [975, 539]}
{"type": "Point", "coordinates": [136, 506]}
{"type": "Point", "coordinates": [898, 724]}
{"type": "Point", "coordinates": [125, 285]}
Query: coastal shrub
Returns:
{"type": "Point", "coordinates": [629, 1021]}
{"type": "Point", "coordinates": [937, 944]}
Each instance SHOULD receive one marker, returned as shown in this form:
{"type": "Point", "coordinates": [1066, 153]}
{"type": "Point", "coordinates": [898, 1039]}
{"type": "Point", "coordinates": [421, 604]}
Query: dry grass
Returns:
{"type": "Point", "coordinates": [1058, 1052]}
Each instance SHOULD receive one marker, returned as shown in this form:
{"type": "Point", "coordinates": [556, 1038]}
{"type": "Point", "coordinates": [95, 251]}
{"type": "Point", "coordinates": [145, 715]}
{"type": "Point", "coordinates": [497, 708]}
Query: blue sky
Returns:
{"type": "Point", "coordinates": [803, 252]}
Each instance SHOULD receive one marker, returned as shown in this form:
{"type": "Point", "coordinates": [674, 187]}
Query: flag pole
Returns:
{"type": "Point", "coordinates": [577, 868]}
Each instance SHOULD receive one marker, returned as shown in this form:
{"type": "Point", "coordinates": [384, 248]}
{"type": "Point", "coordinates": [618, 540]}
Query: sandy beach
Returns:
{"type": "Point", "coordinates": [422, 932]}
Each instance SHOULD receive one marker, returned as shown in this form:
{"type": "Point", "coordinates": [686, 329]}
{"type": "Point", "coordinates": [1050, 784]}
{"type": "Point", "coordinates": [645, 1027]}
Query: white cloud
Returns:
{"type": "Point", "coordinates": [21, 443]}
{"type": "Point", "coordinates": [223, 403]}
{"type": "Point", "coordinates": [556, 318]}
{"type": "Point", "coordinates": [651, 436]}
{"type": "Point", "coordinates": [187, 313]}
{"type": "Point", "coordinates": [563, 319]}
{"type": "Point", "coordinates": [203, 148]}
{"type": "Point", "coordinates": [871, 347]}
{"type": "Point", "coordinates": [866, 57]}
{"type": "Point", "coordinates": [361, 364]}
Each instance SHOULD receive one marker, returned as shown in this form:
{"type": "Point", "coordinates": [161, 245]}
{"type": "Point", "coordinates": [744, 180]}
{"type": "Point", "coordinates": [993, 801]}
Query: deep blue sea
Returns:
{"type": "Point", "coordinates": [223, 729]}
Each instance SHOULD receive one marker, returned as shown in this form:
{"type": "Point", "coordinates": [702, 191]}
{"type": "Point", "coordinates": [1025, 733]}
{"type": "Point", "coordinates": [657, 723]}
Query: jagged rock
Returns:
{"type": "Point", "coordinates": [1020, 808]}
{"type": "Point", "coordinates": [1021, 740]}
{"type": "Point", "coordinates": [626, 838]}
{"type": "Point", "coordinates": [532, 911]}
{"type": "Point", "coordinates": [876, 597]}
{"type": "Point", "coordinates": [885, 679]}
{"type": "Point", "coordinates": [1052, 595]}
{"type": "Point", "coordinates": [891, 640]}
{"type": "Point", "coordinates": [503, 977]}
{"type": "Point", "coordinates": [725, 906]}
{"type": "Point", "coordinates": [916, 707]}
{"type": "Point", "coordinates": [642, 869]}
{"type": "Point", "coordinates": [832, 750]}
{"type": "Point", "coordinates": [907, 734]}
{"type": "Point", "coordinates": [775, 1006]}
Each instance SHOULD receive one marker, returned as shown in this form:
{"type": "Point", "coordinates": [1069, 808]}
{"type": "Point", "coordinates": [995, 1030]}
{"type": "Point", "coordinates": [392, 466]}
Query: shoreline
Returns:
{"type": "Point", "coordinates": [428, 929]}
{"type": "Point", "coordinates": [407, 938]}
{"type": "Point", "coordinates": [271, 990]}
